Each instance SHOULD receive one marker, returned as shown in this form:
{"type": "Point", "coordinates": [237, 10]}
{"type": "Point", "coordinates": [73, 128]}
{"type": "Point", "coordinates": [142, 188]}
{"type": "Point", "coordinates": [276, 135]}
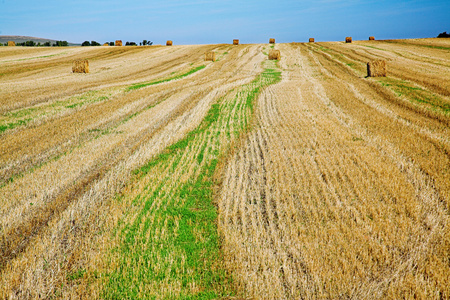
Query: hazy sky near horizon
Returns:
{"type": "Point", "coordinates": [214, 21]}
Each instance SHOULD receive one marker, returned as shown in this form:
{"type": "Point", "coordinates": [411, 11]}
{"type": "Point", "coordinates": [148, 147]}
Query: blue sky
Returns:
{"type": "Point", "coordinates": [211, 22]}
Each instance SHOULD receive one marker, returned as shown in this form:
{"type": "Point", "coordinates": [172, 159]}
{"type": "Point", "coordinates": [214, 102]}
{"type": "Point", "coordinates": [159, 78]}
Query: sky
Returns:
{"type": "Point", "coordinates": [221, 21]}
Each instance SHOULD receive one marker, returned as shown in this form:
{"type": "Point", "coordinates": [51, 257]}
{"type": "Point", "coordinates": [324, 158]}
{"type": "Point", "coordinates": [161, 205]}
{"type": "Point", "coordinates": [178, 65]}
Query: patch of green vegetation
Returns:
{"type": "Point", "coordinates": [221, 56]}
{"type": "Point", "coordinates": [176, 242]}
{"type": "Point", "coordinates": [13, 125]}
{"type": "Point", "coordinates": [436, 47]}
{"type": "Point", "coordinates": [85, 100]}
{"type": "Point", "coordinates": [22, 117]}
{"type": "Point", "coordinates": [406, 87]}
{"type": "Point", "coordinates": [21, 113]}
{"type": "Point", "coordinates": [76, 275]}
{"type": "Point", "coordinates": [325, 49]}
{"type": "Point", "coordinates": [141, 85]}
{"type": "Point", "coordinates": [416, 94]}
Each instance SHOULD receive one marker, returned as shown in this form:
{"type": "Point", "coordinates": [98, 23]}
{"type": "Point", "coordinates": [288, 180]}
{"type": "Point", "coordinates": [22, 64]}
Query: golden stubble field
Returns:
{"type": "Point", "coordinates": [324, 183]}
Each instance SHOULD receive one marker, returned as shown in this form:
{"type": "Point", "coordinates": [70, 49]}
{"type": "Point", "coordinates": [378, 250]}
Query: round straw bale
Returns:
{"type": "Point", "coordinates": [348, 39]}
{"type": "Point", "coordinates": [80, 66]}
{"type": "Point", "coordinates": [311, 40]}
{"type": "Point", "coordinates": [106, 44]}
{"type": "Point", "coordinates": [371, 38]}
{"type": "Point", "coordinates": [271, 41]}
{"type": "Point", "coordinates": [377, 68]}
{"type": "Point", "coordinates": [11, 43]}
{"type": "Point", "coordinates": [118, 43]}
{"type": "Point", "coordinates": [274, 55]}
{"type": "Point", "coordinates": [210, 56]}
{"type": "Point", "coordinates": [235, 42]}
{"type": "Point", "coordinates": [169, 43]}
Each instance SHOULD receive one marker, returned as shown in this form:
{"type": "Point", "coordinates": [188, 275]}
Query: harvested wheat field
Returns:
{"type": "Point", "coordinates": [161, 176]}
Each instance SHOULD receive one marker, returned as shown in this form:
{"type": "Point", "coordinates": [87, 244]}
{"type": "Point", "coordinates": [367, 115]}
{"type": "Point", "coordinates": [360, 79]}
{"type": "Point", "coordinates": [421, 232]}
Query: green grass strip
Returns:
{"type": "Point", "coordinates": [417, 95]}
{"type": "Point", "coordinates": [188, 257]}
{"type": "Point", "coordinates": [22, 117]}
{"type": "Point", "coordinates": [144, 84]}
{"type": "Point", "coordinates": [13, 125]}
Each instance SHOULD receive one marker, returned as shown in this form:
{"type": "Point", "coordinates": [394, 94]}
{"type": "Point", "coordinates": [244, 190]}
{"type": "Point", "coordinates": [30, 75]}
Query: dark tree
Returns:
{"type": "Point", "coordinates": [30, 44]}
{"type": "Point", "coordinates": [111, 43]}
{"type": "Point", "coordinates": [47, 44]}
{"type": "Point", "coordinates": [62, 44]}
{"type": "Point", "coordinates": [86, 43]}
{"type": "Point", "coordinates": [444, 35]}
{"type": "Point", "coordinates": [94, 43]}
{"type": "Point", "coordinates": [144, 42]}
{"type": "Point", "coordinates": [149, 43]}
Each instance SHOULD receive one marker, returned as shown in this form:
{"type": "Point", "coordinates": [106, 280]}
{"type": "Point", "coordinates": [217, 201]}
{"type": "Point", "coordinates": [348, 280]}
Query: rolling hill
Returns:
{"type": "Point", "coordinates": [20, 39]}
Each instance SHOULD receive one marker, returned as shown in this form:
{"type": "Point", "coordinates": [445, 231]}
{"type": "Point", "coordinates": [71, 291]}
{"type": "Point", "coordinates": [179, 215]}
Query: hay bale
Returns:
{"type": "Point", "coordinates": [235, 42]}
{"type": "Point", "coordinates": [271, 41]}
{"type": "Point", "coordinates": [80, 66]}
{"type": "Point", "coordinates": [376, 68]}
{"type": "Point", "coordinates": [311, 40]}
{"type": "Point", "coordinates": [348, 39]}
{"type": "Point", "coordinates": [210, 56]}
{"type": "Point", "coordinates": [118, 43]}
{"type": "Point", "coordinates": [274, 55]}
{"type": "Point", "coordinates": [11, 43]}
{"type": "Point", "coordinates": [371, 38]}
{"type": "Point", "coordinates": [169, 43]}
{"type": "Point", "coordinates": [106, 44]}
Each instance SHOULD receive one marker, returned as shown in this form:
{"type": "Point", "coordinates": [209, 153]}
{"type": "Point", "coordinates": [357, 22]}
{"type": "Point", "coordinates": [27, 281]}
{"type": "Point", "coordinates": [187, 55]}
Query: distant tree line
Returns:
{"type": "Point", "coordinates": [46, 44]}
{"type": "Point", "coordinates": [444, 35]}
{"type": "Point", "coordinates": [65, 44]}
{"type": "Point", "coordinates": [143, 43]}
{"type": "Point", "coordinates": [94, 43]}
